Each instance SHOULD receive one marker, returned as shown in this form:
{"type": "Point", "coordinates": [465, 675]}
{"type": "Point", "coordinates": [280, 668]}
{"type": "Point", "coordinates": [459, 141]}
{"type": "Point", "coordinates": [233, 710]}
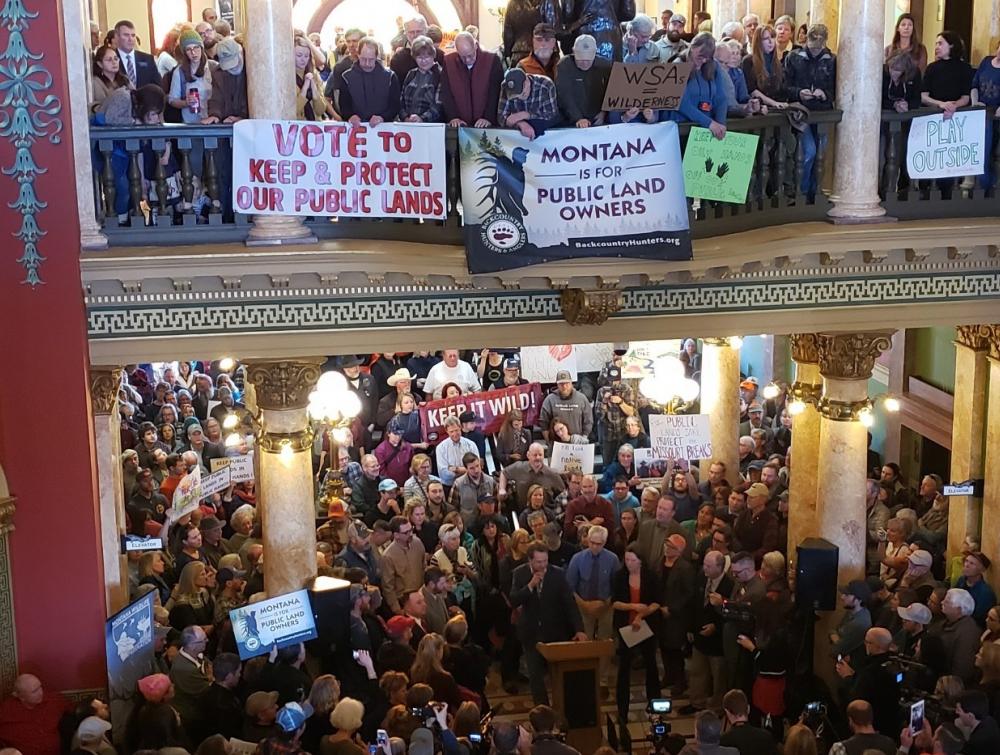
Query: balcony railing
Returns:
{"type": "Point", "coordinates": [774, 196]}
{"type": "Point", "coordinates": [944, 198]}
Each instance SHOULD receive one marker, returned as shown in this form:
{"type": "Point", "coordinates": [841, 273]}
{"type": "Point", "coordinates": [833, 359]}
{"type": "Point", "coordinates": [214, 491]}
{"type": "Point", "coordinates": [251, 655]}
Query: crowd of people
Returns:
{"type": "Point", "coordinates": [545, 75]}
{"type": "Point", "coordinates": [462, 556]}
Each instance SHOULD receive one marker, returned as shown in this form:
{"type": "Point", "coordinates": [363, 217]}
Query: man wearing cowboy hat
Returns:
{"type": "Point", "coordinates": [402, 380]}
{"type": "Point", "coordinates": [364, 387]}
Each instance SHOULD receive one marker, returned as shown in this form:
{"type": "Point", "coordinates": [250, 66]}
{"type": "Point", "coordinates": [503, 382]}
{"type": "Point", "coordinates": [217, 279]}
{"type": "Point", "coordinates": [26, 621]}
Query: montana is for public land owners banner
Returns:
{"type": "Point", "coordinates": [608, 191]}
{"type": "Point", "coordinates": [334, 169]}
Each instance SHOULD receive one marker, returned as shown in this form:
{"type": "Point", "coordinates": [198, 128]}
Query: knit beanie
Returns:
{"type": "Point", "coordinates": [190, 37]}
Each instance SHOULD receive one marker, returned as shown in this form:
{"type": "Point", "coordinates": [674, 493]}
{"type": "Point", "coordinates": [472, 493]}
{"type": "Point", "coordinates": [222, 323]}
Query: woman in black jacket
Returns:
{"type": "Point", "coordinates": [901, 82]}
{"type": "Point", "coordinates": [635, 601]}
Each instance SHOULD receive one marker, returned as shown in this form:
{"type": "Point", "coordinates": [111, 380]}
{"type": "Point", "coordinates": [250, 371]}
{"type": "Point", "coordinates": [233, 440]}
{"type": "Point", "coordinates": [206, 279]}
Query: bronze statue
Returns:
{"type": "Point", "coordinates": [601, 19]}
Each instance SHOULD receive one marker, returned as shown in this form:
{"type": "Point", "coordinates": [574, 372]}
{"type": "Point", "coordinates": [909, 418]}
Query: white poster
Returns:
{"type": "Point", "coordinates": [215, 482]}
{"type": "Point", "coordinates": [641, 355]}
{"type": "Point", "coordinates": [187, 494]}
{"type": "Point", "coordinates": [539, 364]}
{"type": "Point", "coordinates": [592, 357]}
{"type": "Point", "coordinates": [940, 147]}
{"type": "Point", "coordinates": [680, 436]}
{"type": "Point", "coordinates": [393, 170]}
{"type": "Point", "coordinates": [573, 457]}
{"type": "Point", "coordinates": [240, 467]}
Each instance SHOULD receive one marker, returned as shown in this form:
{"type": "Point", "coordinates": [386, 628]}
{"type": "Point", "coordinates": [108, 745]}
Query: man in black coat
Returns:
{"type": "Point", "coordinates": [138, 66]}
{"type": "Point", "coordinates": [708, 668]}
{"type": "Point", "coordinates": [548, 613]}
{"type": "Point", "coordinates": [871, 681]}
{"type": "Point", "coordinates": [205, 450]}
{"type": "Point", "coordinates": [740, 734]}
{"type": "Point", "coordinates": [221, 700]}
{"type": "Point", "coordinates": [364, 388]}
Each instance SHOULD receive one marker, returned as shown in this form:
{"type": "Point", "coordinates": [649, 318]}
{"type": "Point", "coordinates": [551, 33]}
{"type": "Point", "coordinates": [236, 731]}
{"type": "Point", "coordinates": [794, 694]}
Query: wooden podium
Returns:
{"type": "Point", "coordinates": [576, 688]}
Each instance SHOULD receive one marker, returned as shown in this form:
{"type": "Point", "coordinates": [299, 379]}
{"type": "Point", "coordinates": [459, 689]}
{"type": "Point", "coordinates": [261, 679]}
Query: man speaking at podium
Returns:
{"type": "Point", "coordinates": [548, 613]}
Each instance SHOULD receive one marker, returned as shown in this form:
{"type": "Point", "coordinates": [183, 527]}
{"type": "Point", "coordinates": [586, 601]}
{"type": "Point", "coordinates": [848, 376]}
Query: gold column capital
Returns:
{"type": "Point", "coordinates": [805, 347]}
{"type": "Point", "coordinates": [992, 334]}
{"type": "Point", "coordinates": [851, 356]}
{"type": "Point", "coordinates": [283, 385]}
{"type": "Point", "coordinates": [975, 337]}
{"type": "Point", "coordinates": [104, 385]}
{"type": "Point", "coordinates": [580, 307]}
{"type": "Point", "coordinates": [716, 341]}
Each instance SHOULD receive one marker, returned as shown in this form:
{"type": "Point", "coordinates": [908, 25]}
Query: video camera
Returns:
{"type": "Point", "coordinates": [659, 726]}
{"type": "Point", "coordinates": [740, 612]}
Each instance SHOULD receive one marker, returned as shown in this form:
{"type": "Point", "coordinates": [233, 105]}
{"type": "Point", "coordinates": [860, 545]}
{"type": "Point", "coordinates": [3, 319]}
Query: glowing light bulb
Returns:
{"type": "Point", "coordinates": [286, 453]}
{"type": "Point", "coordinates": [350, 404]}
{"type": "Point", "coordinates": [796, 406]}
{"type": "Point", "coordinates": [226, 364]}
{"type": "Point", "coordinates": [233, 440]}
{"type": "Point", "coordinates": [891, 404]}
{"type": "Point", "coordinates": [866, 417]}
{"type": "Point", "coordinates": [771, 390]}
{"type": "Point", "coordinates": [735, 342]}
{"type": "Point", "coordinates": [231, 421]}
{"type": "Point", "coordinates": [331, 381]}
{"type": "Point", "coordinates": [688, 390]}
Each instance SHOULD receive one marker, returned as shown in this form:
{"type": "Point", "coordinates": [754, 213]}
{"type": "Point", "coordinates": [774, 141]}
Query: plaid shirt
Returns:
{"type": "Point", "coordinates": [611, 414]}
{"type": "Point", "coordinates": [422, 95]}
{"type": "Point", "coordinates": [540, 102]}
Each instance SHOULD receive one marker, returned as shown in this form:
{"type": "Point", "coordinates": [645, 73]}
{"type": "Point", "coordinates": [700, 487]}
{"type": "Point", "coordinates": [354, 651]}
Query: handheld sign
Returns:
{"type": "Point", "coordinates": [659, 86]}
{"type": "Point", "coordinates": [680, 436]}
{"type": "Point", "coordinates": [947, 148]}
{"type": "Point", "coordinates": [284, 620]}
{"type": "Point", "coordinates": [573, 457]}
{"type": "Point", "coordinates": [719, 169]}
{"type": "Point", "coordinates": [187, 495]}
{"type": "Point", "coordinates": [129, 646]}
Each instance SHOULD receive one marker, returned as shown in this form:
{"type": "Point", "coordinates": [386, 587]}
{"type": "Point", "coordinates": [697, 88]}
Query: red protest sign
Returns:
{"type": "Point", "coordinates": [490, 407]}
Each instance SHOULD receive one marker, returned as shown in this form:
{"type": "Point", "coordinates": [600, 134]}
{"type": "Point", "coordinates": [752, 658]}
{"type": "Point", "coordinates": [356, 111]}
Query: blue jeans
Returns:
{"type": "Point", "coordinates": [986, 180]}
{"type": "Point", "coordinates": [812, 141]}
{"type": "Point", "coordinates": [120, 165]}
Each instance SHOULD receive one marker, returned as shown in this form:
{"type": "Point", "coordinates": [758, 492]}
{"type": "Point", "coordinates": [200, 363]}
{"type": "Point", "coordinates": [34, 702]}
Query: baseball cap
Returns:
{"type": "Point", "coordinates": [678, 18]}
{"type": "Point", "coordinates": [292, 716]}
{"type": "Point", "coordinates": [585, 47]}
{"type": "Point", "coordinates": [399, 624]}
{"type": "Point", "coordinates": [513, 81]}
{"type": "Point", "coordinates": [563, 376]}
{"type": "Point", "coordinates": [386, 485]}
{"type": "Point", "coordinates": [757, 464]}
{"type": "Point", "coordinates": [543, 30]}
{"type": "Point", "coordinates": [421, 742]}
{"type": "Point", "coordinates": [750, 382]}
{"type": "Point", "coordinates": [921, 558]}
{"type": "Point", "coordinates": [258, 702]}
{"type": "Point", "coordinates": [394, 427]}
{"type": "Point", "coordinates": [92, 728]}
{"type": "Point", "coordinates": [916, 612]}
{"type": "Point", "coordinates": [758, 488]}
{"type": "Point", "coordinates": [194, 428]}
{"type": "Point", "coordinates": [858, 588]}
{"type": "Point", "coordinates": [227, 53]}
{"type": "Point", "coordinates": [756, 408]}
{"type": "Point", "coordinates": [677, 541]}
{"type": "Point", "coordinates": [512, 364]}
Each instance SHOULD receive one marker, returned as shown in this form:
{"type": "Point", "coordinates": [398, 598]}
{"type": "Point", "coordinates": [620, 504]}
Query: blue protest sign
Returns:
{"type": "Point", "coordinates": [284, 620]}
{"type": "Point", "coordinates": [129, 646]}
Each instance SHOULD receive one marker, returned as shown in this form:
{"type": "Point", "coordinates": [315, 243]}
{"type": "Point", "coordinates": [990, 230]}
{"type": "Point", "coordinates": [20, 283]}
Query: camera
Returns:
{"type": "Point", "coordinates": [740, 612]}
{"type": "Point", "coordinates": [659, 729]}
{"type": "Point", "coordinates": [813, 715]}
{"type": "Point", "coordinates": [660, 706]}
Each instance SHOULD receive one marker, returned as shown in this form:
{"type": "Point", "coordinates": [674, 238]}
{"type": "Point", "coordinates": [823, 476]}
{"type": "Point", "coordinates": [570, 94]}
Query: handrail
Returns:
{"type": "Point", "coordinates": [891, 116]}
{"type": "Point", "coordinates": [204, 153]}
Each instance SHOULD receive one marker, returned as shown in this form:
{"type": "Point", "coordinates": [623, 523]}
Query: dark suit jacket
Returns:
{"type": "Point", "coordinates": [705, 613]}
{"type": "Point", "coordinates": [552, 616]}
{"type": "Point", "coordinates": [145, 69]}
{"type": "Point", "coordinates": [677, 596]}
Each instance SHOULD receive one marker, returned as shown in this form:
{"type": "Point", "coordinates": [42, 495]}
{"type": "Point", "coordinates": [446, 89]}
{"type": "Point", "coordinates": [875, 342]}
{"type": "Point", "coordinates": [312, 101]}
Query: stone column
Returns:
{"type": "Point", "coordinates": [284, 462]}
{"type": "Point", "coordinates": [828, 12]}
{"type": "Point", "coordinates": [104, 384]}
{"type": "Point", "coordinates": [720, 400]}
{"type": "Point", "coordinates": [79, 80]}
{"type": "Point", "coordinates": [724, 11]}
{"type": "Point", "coordinates": [846, 361]}
{"type": "Point", "coordinates": [968, 430]}
{"type": "Point", "coordinates": [986, 29]}
{"type": "Point", "coordinates": [991, 464]}
{"type": "Point", "coordinates": [270, 64]}
{"type": "Point", "coordinates": [804, 460]}
{"type": "Point", "coordinates": [859, 95]}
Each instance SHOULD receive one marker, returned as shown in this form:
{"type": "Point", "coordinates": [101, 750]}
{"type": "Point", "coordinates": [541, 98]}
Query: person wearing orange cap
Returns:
{"type": "Point", "coordinates": [396, 653]}
{"type": "Point", "coordinates": [676, 602]}
{"type": "Point", "coordinates": [156, 688]}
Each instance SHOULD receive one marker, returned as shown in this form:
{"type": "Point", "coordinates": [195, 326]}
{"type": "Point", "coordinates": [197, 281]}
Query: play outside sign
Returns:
{"type": "Point", "coordinates": [940, 147]}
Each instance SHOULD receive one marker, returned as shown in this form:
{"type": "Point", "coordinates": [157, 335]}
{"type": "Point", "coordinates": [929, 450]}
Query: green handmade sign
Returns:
{"type": "Point", "coordinates": [719, 170]}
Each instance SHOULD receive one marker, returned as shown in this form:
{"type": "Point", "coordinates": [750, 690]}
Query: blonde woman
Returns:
{"type": "Point", "coordinates": [311, 104]}
{"type": "Point", "coordinates": [420, 477]}
{"type": "Point", "coordinates": [191, 602]}
{"type": "Point", "coordinates": [427, 669]}
{"type": "Point", "coordinates": [453, 560]}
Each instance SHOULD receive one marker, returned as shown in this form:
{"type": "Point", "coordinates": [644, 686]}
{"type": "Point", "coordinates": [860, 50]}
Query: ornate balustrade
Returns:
{"type": "Point", "coordinates": [126, 160]}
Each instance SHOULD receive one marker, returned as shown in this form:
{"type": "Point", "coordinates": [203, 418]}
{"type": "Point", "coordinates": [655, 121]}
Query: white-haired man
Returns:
{"type": "Point", "coordinates": [960, 634]}
{"type": "Point", "coordinates": [402, 62]}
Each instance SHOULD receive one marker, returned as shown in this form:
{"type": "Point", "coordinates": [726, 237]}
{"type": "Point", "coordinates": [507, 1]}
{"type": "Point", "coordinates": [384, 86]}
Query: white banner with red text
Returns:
{"type": "Point", "coordinates": [393, 170]}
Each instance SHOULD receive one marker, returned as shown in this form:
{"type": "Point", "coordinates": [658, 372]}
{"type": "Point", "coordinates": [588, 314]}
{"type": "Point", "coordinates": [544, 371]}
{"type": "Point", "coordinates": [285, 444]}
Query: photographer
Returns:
{"type": "Point", "coordinates": [871, 680]}
{"type": "Point", "coordinates": [547, 740]}
{"type": "Point", "coordinates": [435, 737]}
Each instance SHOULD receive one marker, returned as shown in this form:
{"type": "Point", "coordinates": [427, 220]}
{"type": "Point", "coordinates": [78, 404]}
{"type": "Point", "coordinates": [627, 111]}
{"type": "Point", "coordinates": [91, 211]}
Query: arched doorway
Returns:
{"type": "Point", "coordinates": [324, 16]}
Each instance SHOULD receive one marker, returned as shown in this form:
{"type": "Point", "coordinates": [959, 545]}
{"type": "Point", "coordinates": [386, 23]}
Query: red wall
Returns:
{"type": "Point", "coordinates": [46, 440]}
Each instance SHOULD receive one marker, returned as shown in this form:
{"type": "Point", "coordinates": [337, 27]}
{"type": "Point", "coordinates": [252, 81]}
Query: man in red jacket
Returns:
{"type": "Point", "coordinates": [470, 84]}
{"type": "Point", "coordinates": [29, 719]}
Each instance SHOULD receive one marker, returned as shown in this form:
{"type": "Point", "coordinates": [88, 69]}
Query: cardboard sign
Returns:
{"type": "Point", "coordinates": [719, 169]}
{"type": "Point", "coordinates": [539, 364]}
{"type": "Point", "coordinates": [240, 467]}
{"type": "Point", "coordinates": [642, 355]}
{"type": "Point", "coordinates": [187, 495]}
{"type": "Point", "coordinates": [605, 191]}
{"type": "Point", "coordinates": [680, 436]}
{"type": "Point", "coordinates": [489, 406]}
{"type": "Point", "coordinates": [215, 482]}
{"type": "Point", "coordinates": [284, 620]}
{"type": "Point", "coordinates": [572, 457]}
{"type": "Point", "coordinates": [128, 645]}
{"type": "Point", "coordinates": [947, 148]}
{"type": "Point", "coordinates": [659, 86]}
{"type": "Point", "coordinates": [394, 170]}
